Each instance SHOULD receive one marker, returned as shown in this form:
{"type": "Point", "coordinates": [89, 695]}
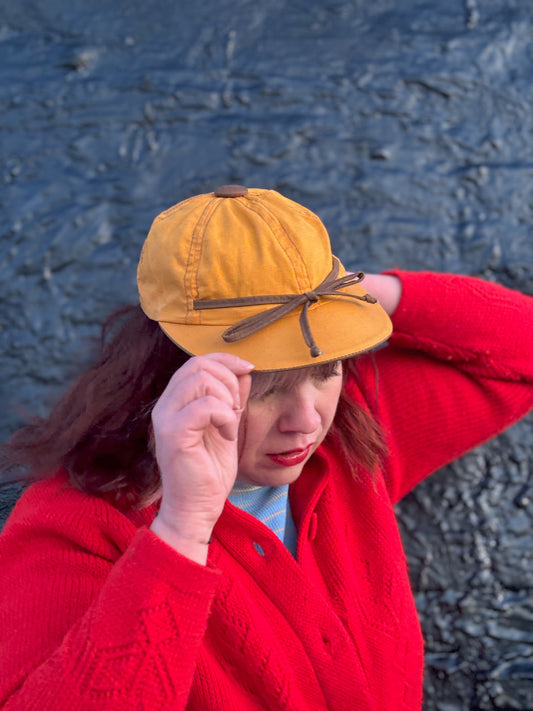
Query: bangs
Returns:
{"type": "Point", "coordinates": [265, 381]}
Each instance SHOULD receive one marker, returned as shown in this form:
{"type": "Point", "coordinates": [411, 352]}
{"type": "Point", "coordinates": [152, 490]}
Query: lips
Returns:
{"type": "Point", "coordinates": [291, 457]}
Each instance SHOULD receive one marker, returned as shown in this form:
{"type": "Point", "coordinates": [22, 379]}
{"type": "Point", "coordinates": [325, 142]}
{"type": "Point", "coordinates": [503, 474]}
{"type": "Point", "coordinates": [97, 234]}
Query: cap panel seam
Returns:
{"type": "Point", "coordinates": [273, 222]}
{"type": "Point", "coordinates": [190, 277]}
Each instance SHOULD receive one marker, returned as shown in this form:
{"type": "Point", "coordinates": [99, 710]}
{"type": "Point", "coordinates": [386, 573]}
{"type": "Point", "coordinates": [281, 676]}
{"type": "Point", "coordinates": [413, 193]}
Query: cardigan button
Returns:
{"type": "Point", "coordinates": [259, 549]}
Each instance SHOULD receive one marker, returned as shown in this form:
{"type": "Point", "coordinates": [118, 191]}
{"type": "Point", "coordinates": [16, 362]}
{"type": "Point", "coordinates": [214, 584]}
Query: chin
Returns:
{"type": "Point", "coordinates": [277, 477]}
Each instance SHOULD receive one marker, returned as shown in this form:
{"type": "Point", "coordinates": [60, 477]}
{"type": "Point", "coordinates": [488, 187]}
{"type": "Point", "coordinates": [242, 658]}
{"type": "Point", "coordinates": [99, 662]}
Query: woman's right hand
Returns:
{"type": "Point", "coordinates": [196, 423]}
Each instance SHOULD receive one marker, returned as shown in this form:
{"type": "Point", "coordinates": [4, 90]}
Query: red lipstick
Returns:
{"type": "Point", "coordinates": [290, 458]}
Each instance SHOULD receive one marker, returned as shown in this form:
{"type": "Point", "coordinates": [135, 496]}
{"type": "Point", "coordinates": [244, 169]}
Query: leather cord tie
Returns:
{"type": "Point", "coordinates": [288, 302]}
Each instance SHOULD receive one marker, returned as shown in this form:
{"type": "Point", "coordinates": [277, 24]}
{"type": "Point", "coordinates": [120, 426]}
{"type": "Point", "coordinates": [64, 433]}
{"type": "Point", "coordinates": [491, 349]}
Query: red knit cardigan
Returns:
{"type": "Point", "coordinates": [97, 613]}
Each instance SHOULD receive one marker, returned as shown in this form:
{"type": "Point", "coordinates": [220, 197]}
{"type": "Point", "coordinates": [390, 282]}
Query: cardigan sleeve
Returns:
{"type": "Point", "coordinates": [81, 630]}
{"type": "Point", "coordinates": [458, 369]}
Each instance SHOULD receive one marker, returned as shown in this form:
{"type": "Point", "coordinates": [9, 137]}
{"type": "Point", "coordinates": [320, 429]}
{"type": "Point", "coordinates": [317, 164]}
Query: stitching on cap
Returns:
{"type": "Point", "coordinates": [195, 250]}
{"type": "Point", "coordinates": [273, 217]}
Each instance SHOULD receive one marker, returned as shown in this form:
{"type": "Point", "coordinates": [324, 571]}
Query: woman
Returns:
{"type": "Point", "coordinates": [239, 549]}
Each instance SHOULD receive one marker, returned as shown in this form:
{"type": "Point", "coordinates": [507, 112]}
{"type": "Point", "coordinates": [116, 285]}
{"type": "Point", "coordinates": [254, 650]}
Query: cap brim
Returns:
{"type": "Point", "coordinates": [341, 327]}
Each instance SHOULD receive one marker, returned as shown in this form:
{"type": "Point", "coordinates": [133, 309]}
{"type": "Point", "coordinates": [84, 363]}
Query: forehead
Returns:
{"type": "Point", "coordinates": [287, 379]}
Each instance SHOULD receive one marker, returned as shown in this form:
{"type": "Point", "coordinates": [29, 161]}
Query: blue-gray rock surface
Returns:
{"type": "Point", "coordinates": [407, 126]}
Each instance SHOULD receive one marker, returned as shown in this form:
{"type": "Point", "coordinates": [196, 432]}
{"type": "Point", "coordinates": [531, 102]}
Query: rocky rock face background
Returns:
{"type": "Point", "coordinates": [406, 125]}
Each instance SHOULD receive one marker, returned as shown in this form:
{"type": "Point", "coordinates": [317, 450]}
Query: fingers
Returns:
{"type": "Point", "coordinates": [198, 385]}
{"type": "Point", "coordinates": [201, 375]}
{"type": "Point", "coordinates": [193, 420]}
{"type": "Point", "coordinates": [207, 382]}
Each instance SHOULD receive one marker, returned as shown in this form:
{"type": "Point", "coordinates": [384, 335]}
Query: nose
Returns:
{"type": "Point", "coordinates": [299, 412]}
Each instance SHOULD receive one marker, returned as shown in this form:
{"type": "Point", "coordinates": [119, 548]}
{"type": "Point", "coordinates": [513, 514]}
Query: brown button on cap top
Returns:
{"type": "Point", "coordinates": [229, 191]}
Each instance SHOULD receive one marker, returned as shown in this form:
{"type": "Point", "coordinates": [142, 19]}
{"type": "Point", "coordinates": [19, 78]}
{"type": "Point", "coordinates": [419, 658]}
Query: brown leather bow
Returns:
{"type": "Point", "coordinates": [288, 302]}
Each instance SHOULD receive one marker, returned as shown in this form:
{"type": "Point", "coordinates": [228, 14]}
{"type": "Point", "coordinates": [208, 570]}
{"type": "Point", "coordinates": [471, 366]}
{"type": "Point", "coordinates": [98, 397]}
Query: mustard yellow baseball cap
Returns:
{"type": "Point", "coordinates": [250, 272]}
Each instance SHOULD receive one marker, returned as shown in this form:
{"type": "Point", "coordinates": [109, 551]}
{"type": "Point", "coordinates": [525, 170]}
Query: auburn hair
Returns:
{"type": "Point", "coordinates": [100, 431]}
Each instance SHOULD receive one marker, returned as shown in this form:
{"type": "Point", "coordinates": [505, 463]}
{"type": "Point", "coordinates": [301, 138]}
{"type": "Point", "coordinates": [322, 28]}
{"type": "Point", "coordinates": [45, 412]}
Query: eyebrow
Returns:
{"type": "Point", "coordinates": [263, 381]}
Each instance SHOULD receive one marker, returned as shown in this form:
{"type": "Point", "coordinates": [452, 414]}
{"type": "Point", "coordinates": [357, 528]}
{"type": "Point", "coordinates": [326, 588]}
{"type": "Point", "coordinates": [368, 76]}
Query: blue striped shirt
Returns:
{"type": "Point", "coordinates": [270, 505]}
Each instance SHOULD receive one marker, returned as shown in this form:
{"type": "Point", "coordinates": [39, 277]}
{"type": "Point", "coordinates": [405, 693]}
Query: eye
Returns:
{"type": "Point", "coordinates": [325, 375]}
{"type": "Point", "coordinates": [266, 394]}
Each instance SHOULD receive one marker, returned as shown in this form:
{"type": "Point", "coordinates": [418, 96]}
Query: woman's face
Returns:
{"type": "Point", "coordinates": [287, 417]}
